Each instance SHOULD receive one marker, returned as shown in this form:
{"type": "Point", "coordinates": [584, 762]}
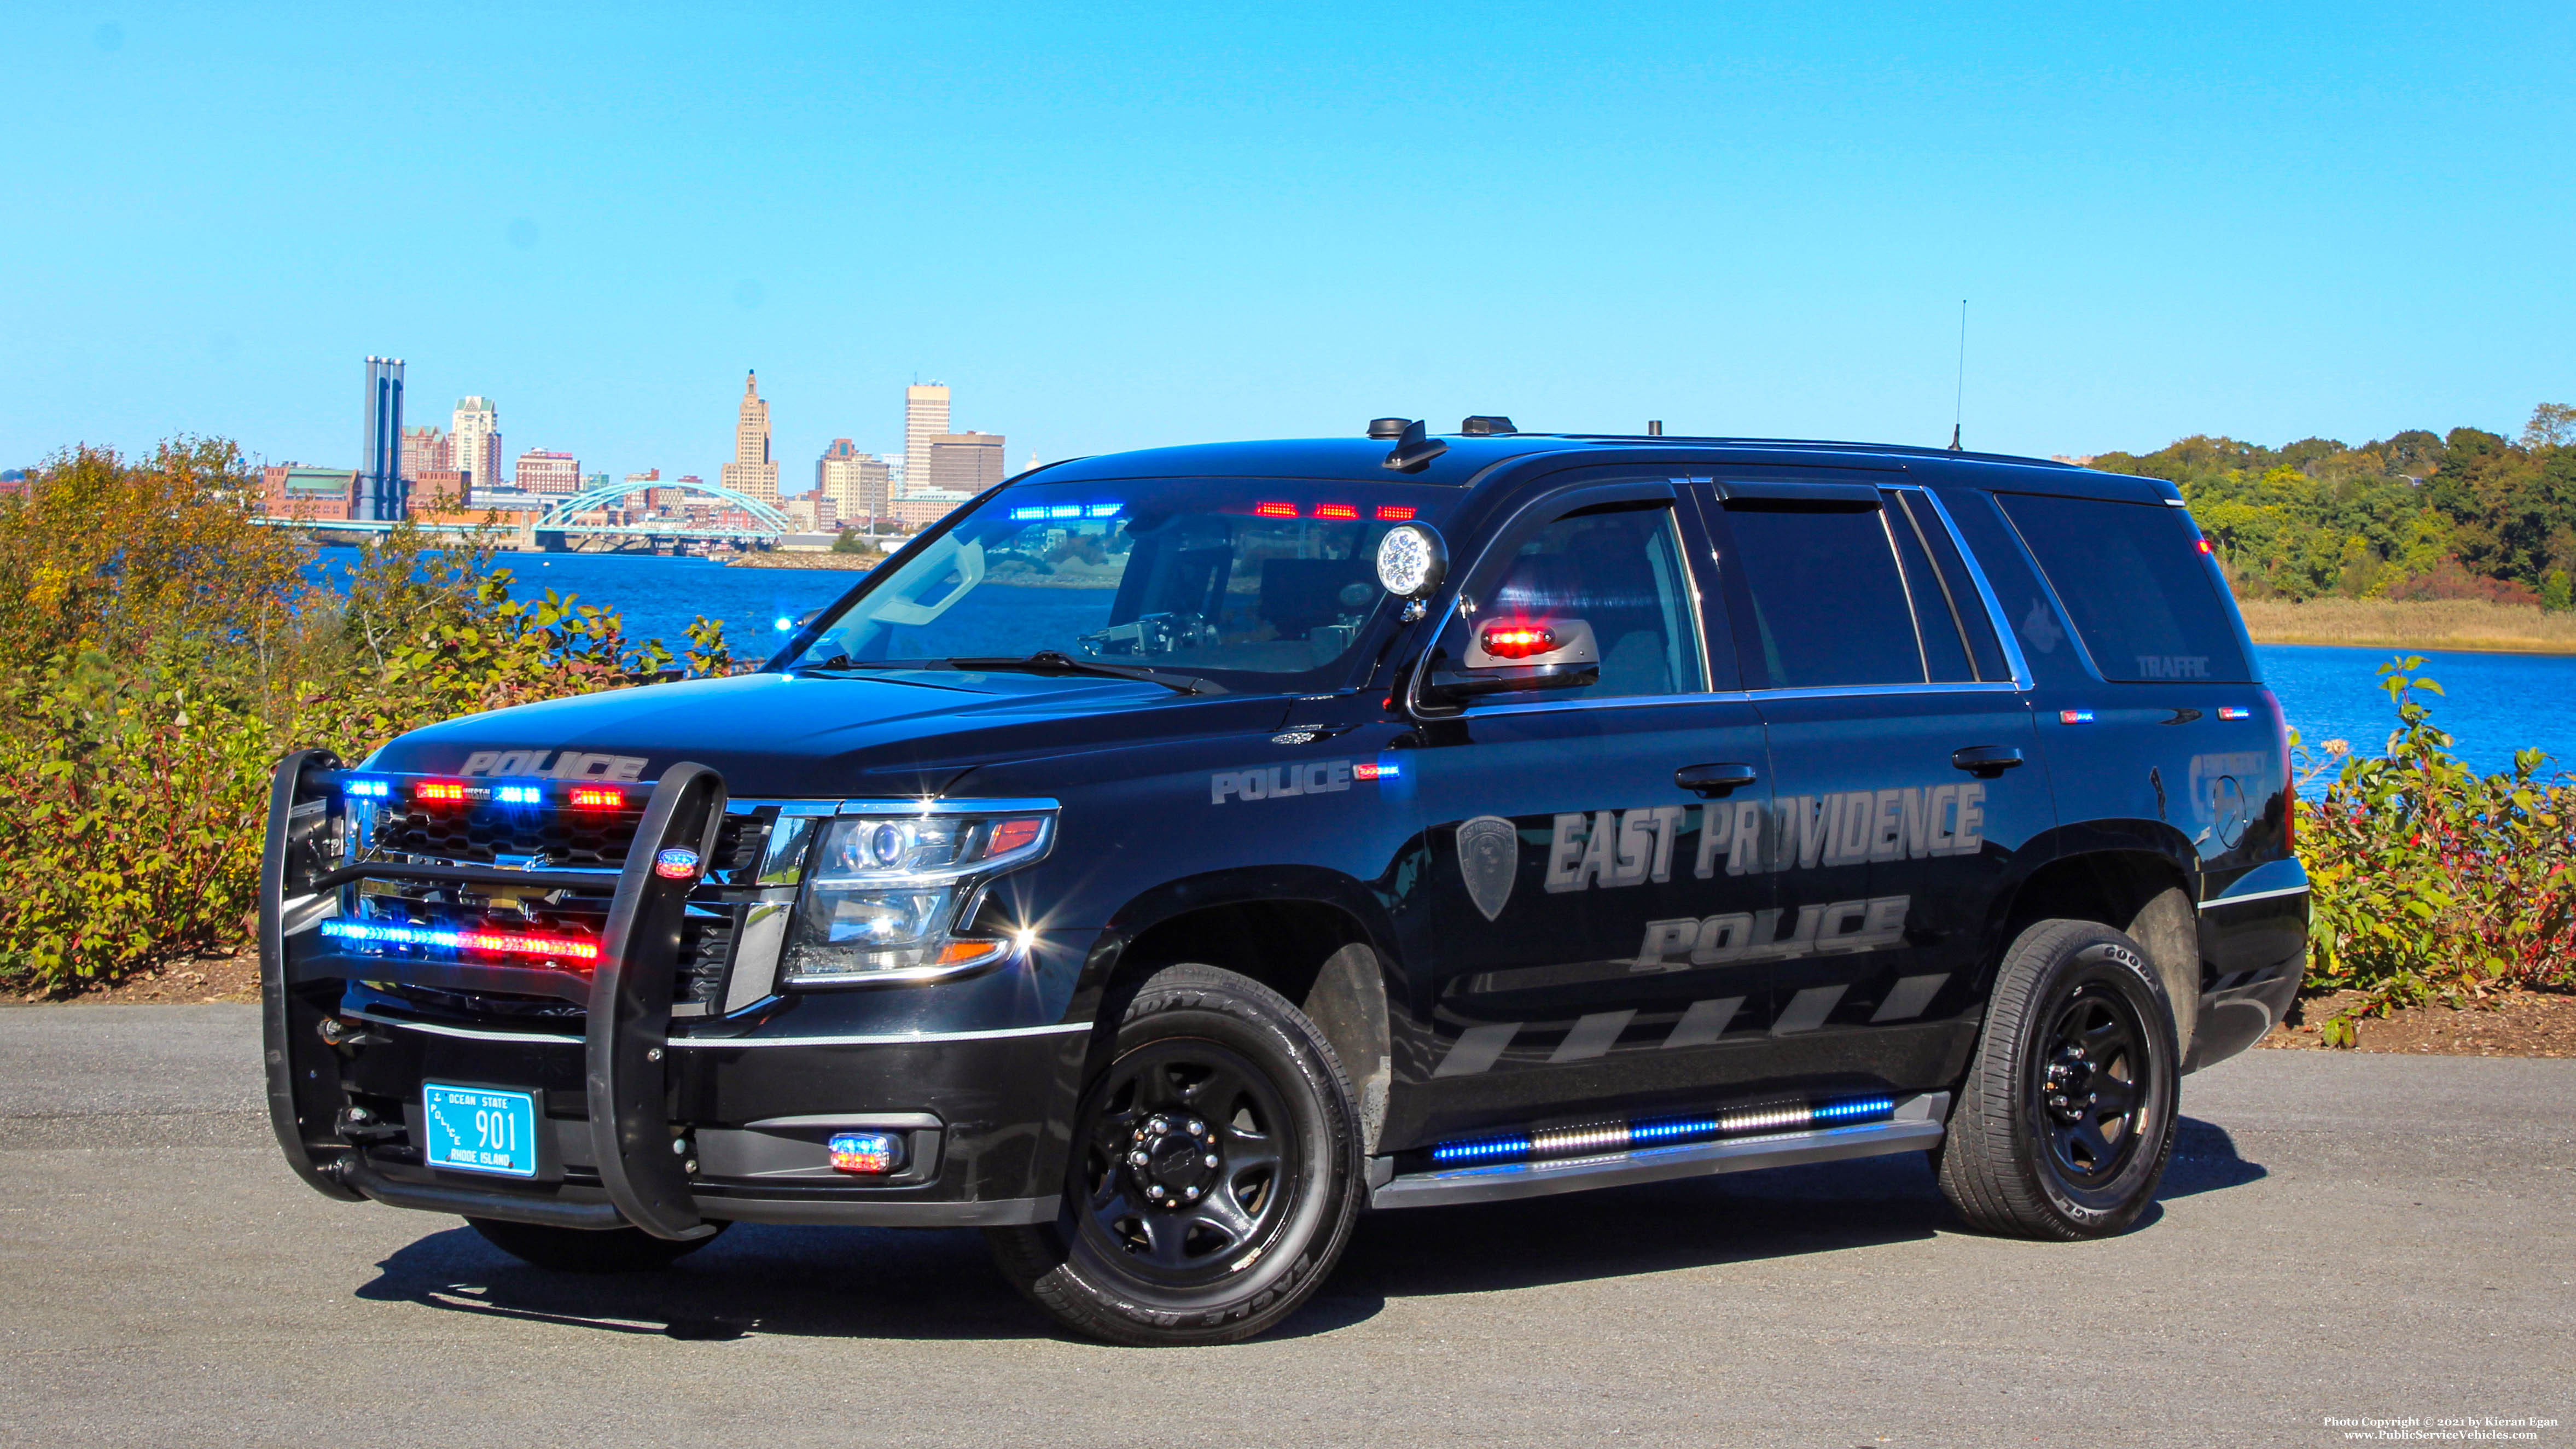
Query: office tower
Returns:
{"type": "Point", "coordinates": [474, 443]}
{"type": "Point", "coordinates": [841, 448]}
{"type": "Point", "coordinates": [857, 484]}
{"type": "Point", "coordinates": [751, 472]}
{"type": "Point", "coordinates": [380, 469]}
{"type": "Point", "coordinates": [925, 416]}
{"type": "Point", "coordinates": [965, 463]}
{"type": "Point", "coordinates": [544, 472]}
{"type": "Point", "coordinates": [425, 450]}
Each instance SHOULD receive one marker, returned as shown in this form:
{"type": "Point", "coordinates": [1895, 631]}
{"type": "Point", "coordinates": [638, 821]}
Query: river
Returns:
{"type": "Point", "coordinates": [2493, 703]}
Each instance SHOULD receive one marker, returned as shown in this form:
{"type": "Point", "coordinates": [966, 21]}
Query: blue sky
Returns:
{"type": "Point", "coordinates": [1119, 227]}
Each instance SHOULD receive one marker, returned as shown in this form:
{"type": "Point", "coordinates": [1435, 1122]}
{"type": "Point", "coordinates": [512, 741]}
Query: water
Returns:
{"type": "Point", "coordinates": [659, 596]}
{"type": "Point", "coordinates": [2496, 703]}
{"type": "Point", "coordinates": [2491, 704]}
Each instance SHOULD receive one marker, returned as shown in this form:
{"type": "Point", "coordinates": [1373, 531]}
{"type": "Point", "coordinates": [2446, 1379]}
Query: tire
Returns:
{"type": "Point", "coordinates": [1206, 1064]}
{"type": "Point", "coordinates": [581, 1250]}
{"type": "Point", "coordinates": [2066, 1120]}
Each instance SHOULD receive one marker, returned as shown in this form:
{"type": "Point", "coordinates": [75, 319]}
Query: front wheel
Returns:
{"type": "Point", "coordinates": [2067, 1117]}
{"type": "Point", "coordinates": [1215, 1171]}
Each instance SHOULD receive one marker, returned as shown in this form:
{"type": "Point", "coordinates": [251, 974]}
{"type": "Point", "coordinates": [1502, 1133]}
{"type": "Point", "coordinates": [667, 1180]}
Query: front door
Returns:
{"type": "Point", "coordinates": [1590, 912]}
{"type": "Point", "coordinates": [1907, 773]}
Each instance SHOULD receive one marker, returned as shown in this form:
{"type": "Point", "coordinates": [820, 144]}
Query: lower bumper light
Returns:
{"type": "Point", "coordinates": [869, 1154]}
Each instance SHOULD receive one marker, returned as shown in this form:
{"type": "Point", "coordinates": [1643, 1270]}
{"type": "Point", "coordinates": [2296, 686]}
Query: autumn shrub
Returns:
{"type": "Point", "coordinates": [171, 648]}
{"type": "Point", "coordinates": [2431, 881]}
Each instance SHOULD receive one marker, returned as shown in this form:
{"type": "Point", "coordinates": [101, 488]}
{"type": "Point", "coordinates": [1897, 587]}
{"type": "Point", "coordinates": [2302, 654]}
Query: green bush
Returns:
{"type": "Point", "coordinates": [2431, 881]}
{"type": "Point", "coordinates": [170, 649]}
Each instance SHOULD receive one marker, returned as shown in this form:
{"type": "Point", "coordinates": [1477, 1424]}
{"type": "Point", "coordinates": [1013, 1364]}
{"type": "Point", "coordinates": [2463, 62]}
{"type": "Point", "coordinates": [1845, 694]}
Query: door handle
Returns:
{"type": "Point", "coordinates": [1711, 781]}
{"type": "Point", "coordinates": [1986, 761]}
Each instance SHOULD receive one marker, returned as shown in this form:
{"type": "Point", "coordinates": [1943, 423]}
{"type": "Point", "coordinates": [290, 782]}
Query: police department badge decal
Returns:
{"type": "Point", "coordinates": [1489, 858]}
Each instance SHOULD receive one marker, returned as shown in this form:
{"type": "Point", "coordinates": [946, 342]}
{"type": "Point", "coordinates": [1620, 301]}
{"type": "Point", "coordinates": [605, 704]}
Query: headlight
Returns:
{"type": "Point", "coordinates": [889, 891]}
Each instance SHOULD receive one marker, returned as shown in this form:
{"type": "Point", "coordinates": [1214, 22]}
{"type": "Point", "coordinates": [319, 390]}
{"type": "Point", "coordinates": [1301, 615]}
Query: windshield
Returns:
{"type": "Point", "coordinates": [1211, 577]}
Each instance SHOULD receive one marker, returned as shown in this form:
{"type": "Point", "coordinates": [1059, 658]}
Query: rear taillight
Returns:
{"type": "Point", "coordinates": [2289, 778]}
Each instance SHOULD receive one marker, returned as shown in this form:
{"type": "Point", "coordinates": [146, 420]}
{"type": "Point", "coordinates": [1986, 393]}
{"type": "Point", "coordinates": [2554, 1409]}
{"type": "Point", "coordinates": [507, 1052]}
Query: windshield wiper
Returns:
{"type": "Point", "coordinates": [1052, 661]}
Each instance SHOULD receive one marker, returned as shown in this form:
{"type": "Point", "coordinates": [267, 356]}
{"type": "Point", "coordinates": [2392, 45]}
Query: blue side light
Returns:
{"type": "Point", "coordinates": [2231, 711]}
{"type": "Point", "coordinates": [367, 789]}
{"type": "Point", "coordinates": [2075, 716]}
{"type": "Point", "coordinates": [1483, 1149]}
{"type": "Point", "coordinates": [1670, 1129]}
{"type": "Point", "coordinates": [1854, 1109]}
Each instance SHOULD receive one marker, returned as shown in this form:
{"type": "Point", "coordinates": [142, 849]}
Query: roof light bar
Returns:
{"type": "Point", "coordinates": [1599, 1138]}
{"type": "Point", "coordinates": [505, 943]}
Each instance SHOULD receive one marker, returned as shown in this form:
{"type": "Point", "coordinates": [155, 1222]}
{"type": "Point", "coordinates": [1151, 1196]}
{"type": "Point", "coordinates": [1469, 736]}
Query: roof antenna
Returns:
{"type": "Point", "coordinates": [1958, 398]}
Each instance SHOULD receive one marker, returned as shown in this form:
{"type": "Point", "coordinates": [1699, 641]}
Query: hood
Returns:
{"type": "Point", "coordinates": [781, 735]}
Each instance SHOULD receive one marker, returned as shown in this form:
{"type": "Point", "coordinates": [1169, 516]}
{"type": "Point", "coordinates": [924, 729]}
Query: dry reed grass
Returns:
{"type": "Point", "coordinates": [2412, 624]}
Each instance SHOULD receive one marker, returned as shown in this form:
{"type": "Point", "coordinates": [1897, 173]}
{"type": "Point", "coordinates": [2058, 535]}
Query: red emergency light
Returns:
{"type": "Point", "coordinates": [1336, 510]}
{"type": "Point", "coordinates": [1274, 510]}
{"type": "Point", "coordinates": [1519, 641]}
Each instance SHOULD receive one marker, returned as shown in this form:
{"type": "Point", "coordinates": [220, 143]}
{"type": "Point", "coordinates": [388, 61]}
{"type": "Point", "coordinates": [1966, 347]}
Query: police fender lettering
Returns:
{"type": "Point", "coordinates": [1278, 782]}
{"type": "Point", "coordinates": [569, 765]}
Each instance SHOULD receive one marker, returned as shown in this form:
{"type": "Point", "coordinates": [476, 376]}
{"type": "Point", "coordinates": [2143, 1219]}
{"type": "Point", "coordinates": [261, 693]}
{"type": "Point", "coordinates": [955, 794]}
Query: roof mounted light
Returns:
{"type": "Point", "coordinates": [1482, 425]}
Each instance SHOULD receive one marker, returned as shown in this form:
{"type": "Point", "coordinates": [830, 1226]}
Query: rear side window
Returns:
{"type": "Point", "coordinates": [1829, 605]}
{"type": "Point", "coordinates": [2145, 601]}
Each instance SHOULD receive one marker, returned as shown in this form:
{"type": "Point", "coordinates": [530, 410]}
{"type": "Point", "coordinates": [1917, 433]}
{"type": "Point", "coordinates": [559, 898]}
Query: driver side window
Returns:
{"type": "Point", "coordinates": [1614, 576]}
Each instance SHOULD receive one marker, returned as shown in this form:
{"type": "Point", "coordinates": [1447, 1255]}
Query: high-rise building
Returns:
{"type": "Point", "coordinates": [425, 450]}
{"type": "Point", "coordinates": [751, 472]}
{"type": "Point", "coordinates": [925, 416]}
{"type": "Point", "coordinates": [964, 463]}
{"type": "Point", "coordinates": [544, 472]}
{"type": "Point", "coordinates": [380, 462]}
{"type": "Point", "coordinates": [858, 485]}
{"type": "Point", "coordinates": [474, 443]}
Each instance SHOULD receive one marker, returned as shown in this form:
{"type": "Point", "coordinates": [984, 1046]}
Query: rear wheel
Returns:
{"type": "Point", "coordinates": [1215, 1173]}
{"type": "Point", "coordinates": [580, 1250]}
{"type": "Point", "coordinates": [2067, 1117]}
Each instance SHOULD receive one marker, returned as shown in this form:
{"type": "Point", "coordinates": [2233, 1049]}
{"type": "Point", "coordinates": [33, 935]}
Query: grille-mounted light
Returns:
{"type": "Point", "coordinates": [504, 943]}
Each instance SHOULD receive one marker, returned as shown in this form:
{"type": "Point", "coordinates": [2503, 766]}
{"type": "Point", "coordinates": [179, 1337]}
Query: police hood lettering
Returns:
{"type": "Point", "coordinates": [552, 765]}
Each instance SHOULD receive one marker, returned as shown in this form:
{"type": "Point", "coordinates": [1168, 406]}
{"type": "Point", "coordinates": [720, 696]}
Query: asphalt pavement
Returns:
{"type": "Point", "coordinates": [2342, 1237]}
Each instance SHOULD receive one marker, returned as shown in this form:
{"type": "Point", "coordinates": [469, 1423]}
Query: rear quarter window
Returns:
{"type": "Point", "coordinates": [2145, 601]}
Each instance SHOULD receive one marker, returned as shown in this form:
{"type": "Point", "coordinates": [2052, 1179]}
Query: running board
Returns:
{"type": "Point", "coordinates": [1916, 1127]}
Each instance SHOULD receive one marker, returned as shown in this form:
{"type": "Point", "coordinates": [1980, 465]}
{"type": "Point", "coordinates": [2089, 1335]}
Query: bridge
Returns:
{"type": "Point", "coordinates": [769, 522]}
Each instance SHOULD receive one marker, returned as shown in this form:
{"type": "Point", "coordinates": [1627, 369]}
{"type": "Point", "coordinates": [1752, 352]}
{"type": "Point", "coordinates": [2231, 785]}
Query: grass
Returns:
{"type": "Point", "coordinates": [2409, 624]}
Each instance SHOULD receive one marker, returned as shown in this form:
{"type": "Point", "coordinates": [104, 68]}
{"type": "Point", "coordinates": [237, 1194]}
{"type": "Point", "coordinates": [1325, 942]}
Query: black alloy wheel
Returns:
{"type": "Point", "coordinates": [2089, 1102]}
{"type": "Point", "coordinates": [1214, 1174]}
{"type": "Point", "coordinates": [2066, 1119]}
{"type": "Point", "coordinates": [1190, 1157]}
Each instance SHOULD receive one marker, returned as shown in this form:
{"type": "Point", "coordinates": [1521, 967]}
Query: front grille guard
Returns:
{"type": "Point", "coordinates": [626, 1020]}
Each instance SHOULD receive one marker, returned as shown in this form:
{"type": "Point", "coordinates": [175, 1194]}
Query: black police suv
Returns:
{"type": "Point", "coordinates": [1172, 854]}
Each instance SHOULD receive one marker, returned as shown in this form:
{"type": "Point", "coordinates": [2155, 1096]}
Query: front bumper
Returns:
{"type": "Point", "coordinates": [640, 1126]}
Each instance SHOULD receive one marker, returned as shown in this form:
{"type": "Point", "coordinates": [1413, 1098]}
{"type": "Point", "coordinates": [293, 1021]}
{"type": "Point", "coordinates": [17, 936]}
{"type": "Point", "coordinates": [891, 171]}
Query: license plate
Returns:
{"type": "Point", "coordinates": [476, 1129]}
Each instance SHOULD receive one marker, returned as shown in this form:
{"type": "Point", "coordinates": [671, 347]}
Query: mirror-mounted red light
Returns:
{"type": "Point", "coordinates": [1519, 641]}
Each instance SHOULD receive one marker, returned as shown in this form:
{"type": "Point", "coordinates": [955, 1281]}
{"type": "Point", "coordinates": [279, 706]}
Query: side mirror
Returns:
{"type": "Point", "coordinates": [1506, 656]}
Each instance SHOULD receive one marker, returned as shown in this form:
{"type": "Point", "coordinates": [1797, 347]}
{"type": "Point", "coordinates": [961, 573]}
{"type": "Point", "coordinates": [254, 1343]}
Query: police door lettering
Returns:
{"type": "Point", "coordinates": [570, 765]}
{"type": "Point", "coordinates": [1613, 848]}
{"type": "Point", "coordinates": [1875, 923]}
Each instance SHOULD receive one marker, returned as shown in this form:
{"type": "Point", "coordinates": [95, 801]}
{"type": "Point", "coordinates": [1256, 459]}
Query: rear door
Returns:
{"type": "Point", "coordinates": [1905, 772]}
{"type": "Point", "coordinates": [1590, 912]}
